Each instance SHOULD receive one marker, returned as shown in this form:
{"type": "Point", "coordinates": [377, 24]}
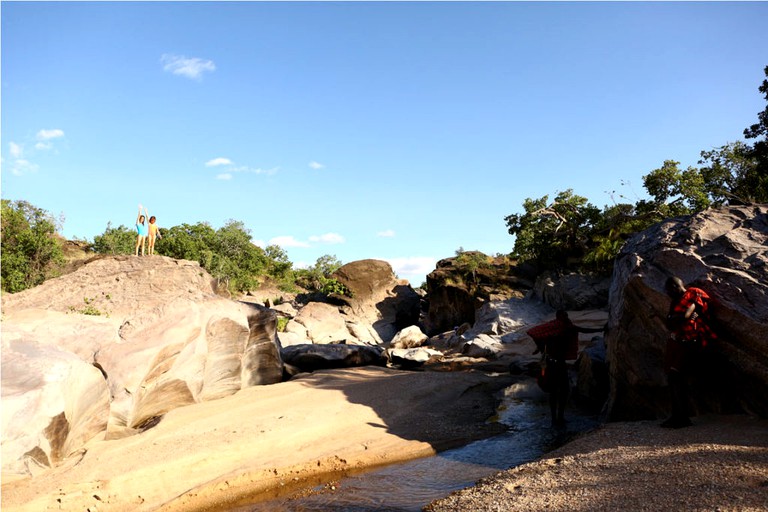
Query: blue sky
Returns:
{"type": "Point", "coordinates": [395, 130]}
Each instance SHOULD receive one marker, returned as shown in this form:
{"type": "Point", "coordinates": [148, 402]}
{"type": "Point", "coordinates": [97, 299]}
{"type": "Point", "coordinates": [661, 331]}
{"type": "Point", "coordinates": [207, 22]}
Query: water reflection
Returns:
{"type": "Point", "coordinates": [409, 486]}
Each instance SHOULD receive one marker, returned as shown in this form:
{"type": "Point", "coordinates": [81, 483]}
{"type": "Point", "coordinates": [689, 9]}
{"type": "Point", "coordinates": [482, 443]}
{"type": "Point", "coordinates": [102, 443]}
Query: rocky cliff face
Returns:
{"type": "Point", "coordinates": [107, 350]}
{"type": "Point", "coordinates": [378, 298]}
{"type": "Point", "coordinates": [455, 292]}
{"type": "Point", "coordinates": [724, 252]}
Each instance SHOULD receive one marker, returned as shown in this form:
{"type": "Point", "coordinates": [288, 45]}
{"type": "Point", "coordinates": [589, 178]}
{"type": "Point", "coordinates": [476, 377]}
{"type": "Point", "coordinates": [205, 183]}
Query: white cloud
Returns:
{"type": "Point", "coordinates": [328, 238]}
{"type": "Point", "coordinates": [231, 169]}
{"type": "Point", "coordinates": [258, 170]}
{"type": "Point", "coordinates": [189, 67]}
{"type": "Point", "coordinates": [44, 135]}
{"type": "Point", "coordinates": [259, 243]}
{"type": "Point", "coordinates": [20, 166]}
{"type": "Point", "coordinates": [287, 241]}
{"type": "Point", "coordinates": [387, 233]}
{"type": "Point", "coordinates": [218, 161]}
{"type": "Point", "coordinates": [15, 150]}
{"type": "Point", "coordinates": [316, 165]}
{"type": "Point", "coordinates": [45, 138]}
{"type": "Point", "coordinates": [421, 265]}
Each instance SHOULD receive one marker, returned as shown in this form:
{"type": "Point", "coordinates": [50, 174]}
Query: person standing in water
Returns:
{"type": "Point", "coordinates": [141, 230]}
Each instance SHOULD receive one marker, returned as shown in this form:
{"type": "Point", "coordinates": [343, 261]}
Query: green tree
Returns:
{"type": "Point", "coordinates": [757, 179]}
{"type": "Point", "coordinates": [318, 278]}
{"type": "Point", "coordinates": [551, 233]}
{"type": "Point", "coordinates": [31, 252]}
{"type": "Point", "coordinates": [119, 240]}
{"type": "Point", "coordinates": [469, 262]}
{"type": "Point", "coordinates": [278, 264]}
{"type": "Point", "coordinates": [675, 191]}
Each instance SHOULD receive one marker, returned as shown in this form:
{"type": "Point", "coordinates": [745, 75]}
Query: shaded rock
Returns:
{"type": "Point", "coordinates": [482, 345]}
{"type": "Point", "coordinates": [722, 251]}
{"type": "Point", "coordinates": [311, 357]}
{"type": "Point", "coordinates": [508, 317]}
{"type": "Point", "coordinates": [455, 292]}
{"type": "Point", "coordinates": [572, 291]}
{"type": "Point", "coordinates": [593, 383]}
{"type": "Point", "coordinates": [410, 337]}
{"type": "Point", "coordinates": [378, 298]}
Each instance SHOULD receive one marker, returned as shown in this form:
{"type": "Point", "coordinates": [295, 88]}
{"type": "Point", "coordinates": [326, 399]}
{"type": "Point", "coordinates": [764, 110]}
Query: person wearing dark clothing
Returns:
{"type": "Point", "coordinates": [559, 341]}
{"type": "Point", "coordinates": [689, 331]}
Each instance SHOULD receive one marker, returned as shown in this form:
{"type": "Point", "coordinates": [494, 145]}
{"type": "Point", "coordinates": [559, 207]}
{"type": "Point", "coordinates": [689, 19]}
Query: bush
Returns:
{"type": "Point", "coordinates": [31, 252]}
{"type": "Point", "coordinates": [120, 240]}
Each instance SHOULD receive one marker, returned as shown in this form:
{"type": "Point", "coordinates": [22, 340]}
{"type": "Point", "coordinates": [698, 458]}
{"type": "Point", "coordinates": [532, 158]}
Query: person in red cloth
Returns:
{"type": "Point", "coordinates": [559, 341]}
{"type": "Point", "coordinates": [688, 323]}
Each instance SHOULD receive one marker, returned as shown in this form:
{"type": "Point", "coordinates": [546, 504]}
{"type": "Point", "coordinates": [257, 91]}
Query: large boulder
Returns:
{"type": "Point", "coordinates": [321, 323]}
{"type": "Point", "coordinates": [457, 290]}
{"type": "Point", "coordinates": [722, 251]}
{"type": "Point", "coordinates": [377, 298]}
{"type": "Point", "coordinates": [148, 334]}
{"type": "Point", "coordinates": [311, 357]}
{"type": "Point", "coordinates": [572, 291]}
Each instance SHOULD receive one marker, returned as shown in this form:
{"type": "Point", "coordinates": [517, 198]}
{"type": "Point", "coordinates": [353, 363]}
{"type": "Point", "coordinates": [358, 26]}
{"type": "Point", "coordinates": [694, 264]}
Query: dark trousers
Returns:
{"type": "Point", "coordinates": [561, 388]}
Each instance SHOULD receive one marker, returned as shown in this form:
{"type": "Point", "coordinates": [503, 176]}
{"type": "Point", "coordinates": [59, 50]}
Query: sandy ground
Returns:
{"type": "Point", "coordinates": [211, 455]}
{"type": "Point", "coordinates": [719, 464]}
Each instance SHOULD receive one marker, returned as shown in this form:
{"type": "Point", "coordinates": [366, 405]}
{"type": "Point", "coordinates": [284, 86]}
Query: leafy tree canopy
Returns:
{"type": "Point", "coordinates": [30, 250]}
{"type": "Point", "coordinates": [569, 229]}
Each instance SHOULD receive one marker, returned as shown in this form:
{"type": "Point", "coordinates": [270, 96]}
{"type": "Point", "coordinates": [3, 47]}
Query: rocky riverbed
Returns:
{"type": "Point", "coordinates": [720, 463]}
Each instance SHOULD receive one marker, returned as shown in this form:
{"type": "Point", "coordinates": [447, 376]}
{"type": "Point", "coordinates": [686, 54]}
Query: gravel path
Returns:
{"type": "Point", "coordinates": [719, 464]}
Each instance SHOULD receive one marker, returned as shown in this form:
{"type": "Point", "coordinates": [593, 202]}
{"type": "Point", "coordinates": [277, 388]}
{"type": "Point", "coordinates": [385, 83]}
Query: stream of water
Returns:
{"type": "Point", "coordinates": [409, 486]}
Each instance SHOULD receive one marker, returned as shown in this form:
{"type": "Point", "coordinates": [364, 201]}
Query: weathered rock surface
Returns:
{"type": "Point", "coordinates": [572, 291]}
{"type": "Point", "coordinates": [722, 251]}
{"type": "Point", "coordinates": [378, 299]}
{"type": "Point", "coordinates": [410, 337]}
{"type": "Point", "coordinates": [455, 293]}
{"type": "Point", "coordinates": [322, 323]}
{"type": "Point", "coordinates": [311, 357]}
{"type": "Point", "coordinates": [145, 334]}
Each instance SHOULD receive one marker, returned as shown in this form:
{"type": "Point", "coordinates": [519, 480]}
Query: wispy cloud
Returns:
{"type": "Point", "coordinates": [291, 241]}
{"type": "Point", "coordinates": [15, 150]}
{"type": "Point", "coordinates": [231, 168]}
{"type": "Point", "coordinates": [316, 165]}
{"type": "Point", "coordinates": [190, 67]}
{"type": "Point", "coordinates": [287, 241]}
{"type": "Point", "coordinates": [45, 138]}
{"type": "Point", "coordinates": [19, 163]}
{"type": "Point", "coordinates": [328, 238]}
{"type": "Point", "coordinates": [215, 162]}
{"type": "Point", "coordinates": [415, 265]}
{"type": "Point", "coordinates": [387, 233]}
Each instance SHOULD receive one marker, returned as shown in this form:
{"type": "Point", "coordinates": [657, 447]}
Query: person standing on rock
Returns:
{"type": "Point", "coordinates": [154, 233]}
{"type": "Point", "coordinates": [141, 230]}
{"type": "Point", "coordinates": [689, 331]}
{"type": "Point", "coordinates": [559, 341]}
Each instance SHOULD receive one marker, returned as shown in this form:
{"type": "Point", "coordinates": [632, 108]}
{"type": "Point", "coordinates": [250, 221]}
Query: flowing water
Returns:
{"type": "Point", "coordinates": [409, 486]}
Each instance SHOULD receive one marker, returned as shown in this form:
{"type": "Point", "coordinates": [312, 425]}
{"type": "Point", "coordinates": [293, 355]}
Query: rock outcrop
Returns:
{"type": "Point", "coordinates": [572, 291]}
{"type": "Point", "coordinates": [456, 291]}
{"type": "Point", "coordinates": [378, 299]}
{"type": "Point", "coordinates": [722, 251]}
{"type": "Point", "coordinates": [107, 350]}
